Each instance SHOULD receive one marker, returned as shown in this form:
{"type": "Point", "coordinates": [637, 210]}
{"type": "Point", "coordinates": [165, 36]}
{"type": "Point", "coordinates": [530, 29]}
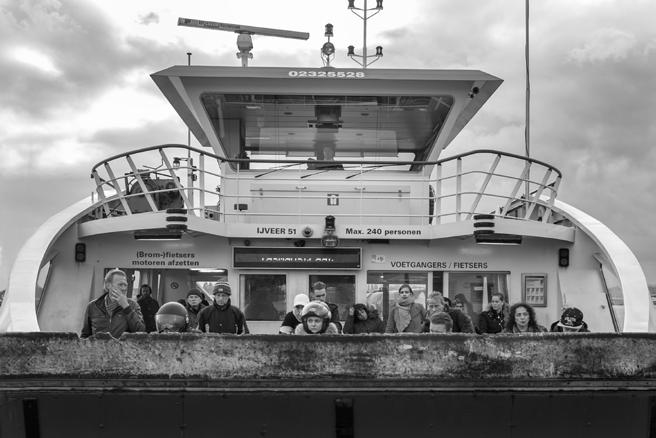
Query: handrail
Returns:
{"type": "Point", "coordinates": [456, 191]}
{"type": "Point", "coordinates": [304, 161]}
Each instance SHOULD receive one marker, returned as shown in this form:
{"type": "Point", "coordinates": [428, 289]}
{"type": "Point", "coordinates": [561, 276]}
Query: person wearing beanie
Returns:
{"type": "Point", "coordinates": [222, 317]}
{"type": "Point", "coordinates": [406, 316]}
{"type": "Point", "coordinates": [571, 321]}
{"type": "Point", "coordinates": [293, 318]}
{"type": "Point", "coordinates": [194, 304]}
{"type": "Point", "coordinates": [363, 320]}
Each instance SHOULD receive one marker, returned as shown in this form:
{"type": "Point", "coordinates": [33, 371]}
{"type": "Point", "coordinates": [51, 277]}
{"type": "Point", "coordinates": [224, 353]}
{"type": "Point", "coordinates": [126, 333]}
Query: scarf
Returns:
{"type": "Point", "coordinates": [402, 317]}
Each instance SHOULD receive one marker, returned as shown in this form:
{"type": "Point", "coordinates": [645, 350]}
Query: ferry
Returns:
{"type": "Point", "coordinates": [257, 207]}
{"type": "Point", "coordinates": [338, 175]}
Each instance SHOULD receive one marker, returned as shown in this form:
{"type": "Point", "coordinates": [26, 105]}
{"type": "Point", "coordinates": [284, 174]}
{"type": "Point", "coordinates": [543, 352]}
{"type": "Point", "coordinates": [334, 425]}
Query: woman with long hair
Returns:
{"type": "Point", "coordinates": [521, 319]}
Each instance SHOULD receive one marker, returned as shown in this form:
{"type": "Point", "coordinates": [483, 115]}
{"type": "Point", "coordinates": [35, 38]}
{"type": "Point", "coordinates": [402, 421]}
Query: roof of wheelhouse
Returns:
{"type": "Point", "coordinates": [294, 112]}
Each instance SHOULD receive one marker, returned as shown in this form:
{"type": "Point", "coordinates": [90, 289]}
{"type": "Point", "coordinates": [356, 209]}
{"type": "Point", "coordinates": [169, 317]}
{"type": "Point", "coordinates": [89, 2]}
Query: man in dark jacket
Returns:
{"type": "Point", "coordinates": [319, 293]}
{"type": "Point", "coordinates": [113, 312]}
{"type": "Point", "coordinates": [493, 320]}
{"type": "Point", "coordinates": [460, 323]}
{"type": "Point", "coordinates": [221, 317]}
{"type": "Point", "coordinates": [362, 320]}
{"type": "Point", "coordinates": [149, 307]}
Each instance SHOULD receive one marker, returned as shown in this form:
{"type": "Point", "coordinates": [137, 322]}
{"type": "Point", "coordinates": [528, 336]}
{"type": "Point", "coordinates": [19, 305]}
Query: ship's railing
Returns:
{"type": "Point", "coordinates": [176, 176]}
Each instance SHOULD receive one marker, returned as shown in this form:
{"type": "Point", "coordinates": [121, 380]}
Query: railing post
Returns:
{"type": "Point", "coordinates": [538, 193]}
{"type": "Point", "coordinates": [481, 192]}
{"type": "Point", "coordinates": [438, 195]}
{"type": "Point", "coordinates": [174, 177]}
{"type": "Point", "coordinates": [458, 189]}
{"type": "Point", "coordinates": [201, 184]}
{"type": "Point", "coordinates": [101, 193]}
{"type": "Point", "coordinates": [190, 182]}
{"type": "Point", "coordinates": [144, 188]}
{"type": "Point", "coordinates": [120, 193]}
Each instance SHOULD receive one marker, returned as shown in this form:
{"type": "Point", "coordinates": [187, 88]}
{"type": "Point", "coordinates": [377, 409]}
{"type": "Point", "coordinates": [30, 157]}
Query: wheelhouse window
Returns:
{"type": "Point", "coordinates": [300, 126]}
{"type": "Point", "coordinates": [383, 288]}
{"type": "Point", "coordinates": [475, 289]}
{"type": "Point", "coordinates": [340, 290]}
{"type": "Point", "coordinates": [173, 284]}
{"type": "Point", "coordinates": [263, 296]}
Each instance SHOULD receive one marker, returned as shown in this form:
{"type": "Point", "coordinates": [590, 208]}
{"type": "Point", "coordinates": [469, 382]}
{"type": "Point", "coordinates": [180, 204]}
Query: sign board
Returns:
{"type": "Point", "coordinates": [297, 258]}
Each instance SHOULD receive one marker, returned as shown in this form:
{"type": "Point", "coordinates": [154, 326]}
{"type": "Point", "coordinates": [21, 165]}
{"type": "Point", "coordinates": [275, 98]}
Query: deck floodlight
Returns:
{"type": "Point", "coordinates": [328, 49]}
{"type": "Point", "coordinates": [176, 162]}
{"type": "Point", "coordinates": [379, 50]}
{"type": "Point", "coordinates": [351, 51]}
{"type": "Point", "coordinates": [379, 4]}
{"type": "Point", "coordinates": [351, 4]}
{"type": "Point", "coordinates": [329, 241]}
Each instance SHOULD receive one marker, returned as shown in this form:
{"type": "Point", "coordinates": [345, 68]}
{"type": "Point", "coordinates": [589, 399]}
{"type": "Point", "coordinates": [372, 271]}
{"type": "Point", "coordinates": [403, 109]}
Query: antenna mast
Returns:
{"type": "Point", "coordinates": [244, 40]}
{"type": "Point", "coordinates": [379, 49]}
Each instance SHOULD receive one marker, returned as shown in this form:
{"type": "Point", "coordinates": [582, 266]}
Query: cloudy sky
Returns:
{"type": "Point", "coordinates": [75, 88]}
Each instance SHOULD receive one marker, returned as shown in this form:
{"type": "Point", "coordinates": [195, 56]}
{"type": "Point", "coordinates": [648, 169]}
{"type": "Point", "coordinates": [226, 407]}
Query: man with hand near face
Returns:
{"type": "Point", "coordinates": [113, 312]}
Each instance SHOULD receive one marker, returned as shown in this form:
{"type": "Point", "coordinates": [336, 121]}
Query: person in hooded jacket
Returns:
{"type": "Point", "coordinates": [360, 320]}
{"type": "Point", "coordinates": [221, 317]}
{"type": "Point", "coordinates": [406, 316]}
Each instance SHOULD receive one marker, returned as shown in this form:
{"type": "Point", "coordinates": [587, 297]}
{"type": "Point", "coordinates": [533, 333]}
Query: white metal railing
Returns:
{"type": "Point", "coordinates": [176, 176]}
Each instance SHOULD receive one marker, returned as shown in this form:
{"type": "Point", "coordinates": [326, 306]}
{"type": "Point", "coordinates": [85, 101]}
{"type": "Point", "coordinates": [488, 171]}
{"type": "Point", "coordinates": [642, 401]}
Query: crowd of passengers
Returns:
{"type": "Point", "coordinates": [114, 313]}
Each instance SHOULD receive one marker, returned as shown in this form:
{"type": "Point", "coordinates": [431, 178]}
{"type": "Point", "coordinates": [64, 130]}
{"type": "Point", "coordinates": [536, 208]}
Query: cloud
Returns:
{"type": "Point", "coordinates": [603, 45]}
{"type": "Point", "coordinates": [149, 18]}
{"type": "Point", "coordinates": [34, 58]}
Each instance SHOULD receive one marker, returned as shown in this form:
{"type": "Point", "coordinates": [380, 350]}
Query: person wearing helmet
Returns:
{"type": "Point", "coordinates": [172, 318]}
{"type": "Point", "coordinates": [293, 318]}
{"type": "Point", "coordinates": [315, 320]}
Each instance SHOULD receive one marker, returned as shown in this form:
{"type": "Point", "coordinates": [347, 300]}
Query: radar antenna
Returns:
{"type": "Point", "coordinates": [244, 40]}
